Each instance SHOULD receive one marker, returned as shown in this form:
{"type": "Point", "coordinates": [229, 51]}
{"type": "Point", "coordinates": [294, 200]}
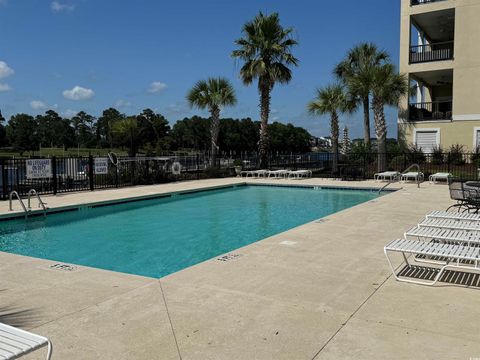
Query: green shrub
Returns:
{"type": "Point", "coordinates": [438, 157]}
{"type": "Point", "coordinates": [455, 155]}
{"type": "Point", "coordinates": [415, 155]}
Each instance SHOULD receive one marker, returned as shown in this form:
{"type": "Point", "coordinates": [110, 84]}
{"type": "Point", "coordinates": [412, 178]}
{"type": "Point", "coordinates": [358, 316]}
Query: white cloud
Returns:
{"type": "Point", "coordinates": [156, 87]}
{"type": "Point", "coordinates": [5, 70]}
{"type": "Point", "coordinates": [57, 6]}
{"type": "Point", "coordinates": [5, 87]}
{"type": "Point", "coordinates": [38, 105]}
{"type": "Point", "coordinates": [122, 103]}
{"type": "Point", "coordinates": [78, 93]}
{"type": "Point", "coordinates": [69, 113]}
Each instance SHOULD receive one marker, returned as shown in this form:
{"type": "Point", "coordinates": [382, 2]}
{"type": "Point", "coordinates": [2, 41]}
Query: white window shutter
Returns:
{"type": "Point", "coordinates": [427, 140]}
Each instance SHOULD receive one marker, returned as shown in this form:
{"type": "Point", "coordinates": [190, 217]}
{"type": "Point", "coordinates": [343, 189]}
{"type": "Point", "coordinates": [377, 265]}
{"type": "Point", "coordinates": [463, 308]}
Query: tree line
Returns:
{"type": "Point", "coordinates": [146, 133]}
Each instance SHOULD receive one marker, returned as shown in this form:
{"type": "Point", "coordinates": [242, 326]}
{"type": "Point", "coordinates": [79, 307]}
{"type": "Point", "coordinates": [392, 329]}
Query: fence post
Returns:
{"type": "Point", "coordinates": [54, 174]}
{"type": "Point", "coordinates": [116, 176]}
{"type": "Point", "coordinates": [197, 166]}
{"type": "Point", "coordinates": [90, 172]}
{"type": "Point", "coordinates": [4, 180]}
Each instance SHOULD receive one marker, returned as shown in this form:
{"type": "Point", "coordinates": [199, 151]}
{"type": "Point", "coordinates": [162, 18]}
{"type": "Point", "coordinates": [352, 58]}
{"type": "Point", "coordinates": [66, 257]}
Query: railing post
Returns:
{"type": "Point", "coordinates": [116, 176]}
{"type": "Point", "coordinates": [54, 174]}
{"type": "Point", "coordinates": [91, 173]}
{"type": "Point", "coordinates": [4, 180]}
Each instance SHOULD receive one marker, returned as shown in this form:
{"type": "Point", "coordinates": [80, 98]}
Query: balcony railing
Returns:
{"type": "Point", "coordinates": [431, 52]}
{"type": "Point", "coordinates": [421, 2]}
{"type": "Point", "coordinates": [437, 110]}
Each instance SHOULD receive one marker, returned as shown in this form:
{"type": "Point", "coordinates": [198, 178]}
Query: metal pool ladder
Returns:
{"type": "Point", "coordinates": [10, 198]}
{"type": "Point", "coordinates": [40, 202]}
{"type": "Point", "coordinates": [25, 209]}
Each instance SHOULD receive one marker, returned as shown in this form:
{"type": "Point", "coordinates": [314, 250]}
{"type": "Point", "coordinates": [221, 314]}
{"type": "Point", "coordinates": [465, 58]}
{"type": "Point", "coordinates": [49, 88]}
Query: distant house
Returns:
{"type": "Point", "coordinates": [320, 143]}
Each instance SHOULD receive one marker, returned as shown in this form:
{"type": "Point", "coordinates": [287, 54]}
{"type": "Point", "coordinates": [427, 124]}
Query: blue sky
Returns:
{"type": "Point", "coordinates": [73, 55]}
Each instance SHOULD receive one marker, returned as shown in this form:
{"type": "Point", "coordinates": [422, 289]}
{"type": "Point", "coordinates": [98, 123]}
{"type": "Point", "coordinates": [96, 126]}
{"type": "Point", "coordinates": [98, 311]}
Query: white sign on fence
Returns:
{"type": "Point", "coordinates": [101, 165]}
{"type": "Point", "coordinates": [39, 168]}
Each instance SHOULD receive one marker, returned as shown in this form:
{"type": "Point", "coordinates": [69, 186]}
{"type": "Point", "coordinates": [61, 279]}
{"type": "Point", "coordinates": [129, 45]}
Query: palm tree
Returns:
{"type": "Point", "coordinates": [128, 129]}
{"type": "Point", "coordinates": [357, 66]}
{"type": "Point", "coordinates": [388, 87]}
{"type": "Point", "coordinates": [265, 49]}
{"type": "Point", "coordinates": [331, 100]}
{"type": "Point", "coordinates": [212, 94]}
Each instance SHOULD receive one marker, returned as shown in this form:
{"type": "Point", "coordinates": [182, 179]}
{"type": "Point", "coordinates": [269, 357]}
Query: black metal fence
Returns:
{"type": "Point", "coordinates": [60, 175]}
{"type": "Point", "coordinates": [364, 165]}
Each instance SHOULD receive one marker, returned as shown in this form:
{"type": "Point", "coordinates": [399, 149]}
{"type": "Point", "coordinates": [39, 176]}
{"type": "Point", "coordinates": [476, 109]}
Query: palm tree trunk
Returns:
{"type": "Point", "coordinates": [214, 130]}
{"type": "Point", "coordinates": [366, 121]}
{"type": "Point", "coordinates": [264, 88]}
{"type": "Point", "coordinates": [381, 132]}
{"type": "Point", "coordinates": [335, 134]}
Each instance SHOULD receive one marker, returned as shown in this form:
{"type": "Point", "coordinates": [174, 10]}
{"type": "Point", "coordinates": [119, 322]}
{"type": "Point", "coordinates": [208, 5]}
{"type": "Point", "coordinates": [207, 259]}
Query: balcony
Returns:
{"type": "Point", "coordinates": [431, 111]}
{"type": "Point", "coordinates": [421, 2]}
{"type": "Point", "coordinates": [431, 52]}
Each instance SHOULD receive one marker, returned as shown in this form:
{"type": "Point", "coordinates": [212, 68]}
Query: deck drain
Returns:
{"type": "Point", "coordinates": [228, 257]}
{"type": "Point", "coordinates": [62, 267]}
{"type": "Point", "coordinates": [319, 221]}
{"type": "Point", "coordinates": [288, 243]}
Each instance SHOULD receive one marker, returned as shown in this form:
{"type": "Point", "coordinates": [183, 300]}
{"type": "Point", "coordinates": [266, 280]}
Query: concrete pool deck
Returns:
{"type": "Point", "coordinates": [319, 291]}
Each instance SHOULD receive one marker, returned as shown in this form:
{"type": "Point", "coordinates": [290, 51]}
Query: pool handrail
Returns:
{"type": "Point", "coordinates": [40, 202]}
{"type": "Point", "coordinates": [10, 199]}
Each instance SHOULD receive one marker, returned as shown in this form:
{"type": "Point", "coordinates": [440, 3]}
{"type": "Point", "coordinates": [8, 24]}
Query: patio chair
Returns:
{"type": "Point", "coordinates": [412, 176]}
{"type": "Point", "coordinates": [15, 343]}
{"type": "Point", "coordinates": [457, 257]}
{"type": "Point", "coordinates": [387, 175]}
{"type": "Point", "coordinates": [467, 197]}
{"type": "Point", "coordinates": [433, 179]}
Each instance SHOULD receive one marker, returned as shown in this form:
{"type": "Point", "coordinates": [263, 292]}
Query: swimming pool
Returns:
{"type": "Point", "coordinates": [159, 236]}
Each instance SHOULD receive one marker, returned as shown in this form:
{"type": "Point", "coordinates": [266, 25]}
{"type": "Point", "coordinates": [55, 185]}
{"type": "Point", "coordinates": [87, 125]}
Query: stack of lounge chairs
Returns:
{"type": "Point", "coordinates": [277, 174]}
{"type": "Point", "coordinates": [448, 239]}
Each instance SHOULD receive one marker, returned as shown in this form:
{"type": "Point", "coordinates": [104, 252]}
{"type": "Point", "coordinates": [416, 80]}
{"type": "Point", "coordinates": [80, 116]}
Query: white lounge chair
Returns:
{"type": "Point", "coordinates": [453, 215]}
{"type": "Point", "coordinates": [387, 175]}
{"type": "Point", "coordinates": [277, 174]}
{"type": "Point", "coordinates": [260, 173]}
{"type": "Point", "coordinates": [246, 173]}
{"type": "Point", "coordinates": [299, 174]}
{"type": "Point", "coordinates": [443, 235]}
{"type": "Point", "coordinates": [455, 256]}
{"type": "Point", "coordinates": [412, 176]}
{"type": "Point", "coordinates": [433, 179]}
{"type": "Point", "coordinates": [15, 343]}
{"type": "Point", "coordinates": [453, 224]}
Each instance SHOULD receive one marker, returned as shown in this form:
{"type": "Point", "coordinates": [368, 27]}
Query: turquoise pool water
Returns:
{"type": "Point", "coordinates": [160, 236]}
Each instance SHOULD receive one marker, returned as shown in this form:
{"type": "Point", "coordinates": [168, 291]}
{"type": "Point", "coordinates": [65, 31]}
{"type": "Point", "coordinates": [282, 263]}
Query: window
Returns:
{"type": "Point", "coordinates": [427, 140]}
{"type": "Point", "coordinates": [476, 139]}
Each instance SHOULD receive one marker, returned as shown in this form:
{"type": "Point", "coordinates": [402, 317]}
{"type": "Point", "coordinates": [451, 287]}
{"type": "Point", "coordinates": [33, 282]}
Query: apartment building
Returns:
{"type": "Point", "coordinates": [440, 53]}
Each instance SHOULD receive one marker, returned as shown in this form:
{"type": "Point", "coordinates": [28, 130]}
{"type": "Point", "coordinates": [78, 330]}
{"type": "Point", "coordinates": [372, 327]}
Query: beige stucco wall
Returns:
{"type": "Point", "coordinates": [451, 133]}
{"type": "Point", "coordinates": [466, 71]}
